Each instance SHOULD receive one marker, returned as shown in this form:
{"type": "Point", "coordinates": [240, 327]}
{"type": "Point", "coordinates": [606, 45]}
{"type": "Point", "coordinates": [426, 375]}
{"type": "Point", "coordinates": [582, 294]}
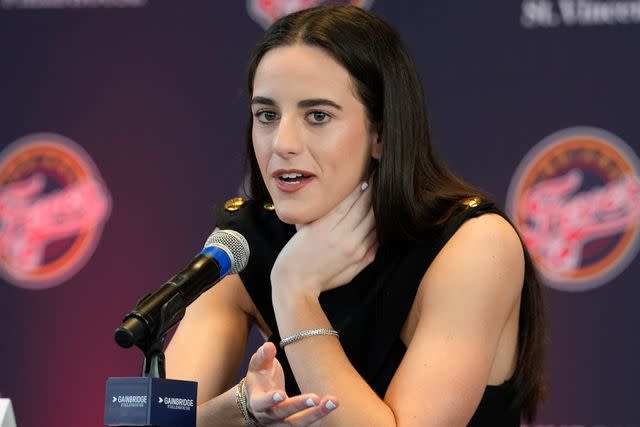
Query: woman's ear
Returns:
{"type": "Point", "coordinates": [376, 147]}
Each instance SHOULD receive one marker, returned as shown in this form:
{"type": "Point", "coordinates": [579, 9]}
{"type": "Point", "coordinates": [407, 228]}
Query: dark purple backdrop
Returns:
{"type": "Point", "coordinates": [156, 96]}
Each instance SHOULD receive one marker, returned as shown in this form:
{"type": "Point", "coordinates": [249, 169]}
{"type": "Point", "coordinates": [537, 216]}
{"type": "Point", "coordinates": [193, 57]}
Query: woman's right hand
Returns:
{"type": "Point", "coordinates": [267, 400]}
{"type": "Point", "coordinates": [335, 248]}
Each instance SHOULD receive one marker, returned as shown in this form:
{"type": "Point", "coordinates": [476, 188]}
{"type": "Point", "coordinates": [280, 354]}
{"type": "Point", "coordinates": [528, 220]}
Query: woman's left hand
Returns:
{"type": "Point", "coordinates": [330, 251]}
{"type": "Point", "coordinates": [267, 400]}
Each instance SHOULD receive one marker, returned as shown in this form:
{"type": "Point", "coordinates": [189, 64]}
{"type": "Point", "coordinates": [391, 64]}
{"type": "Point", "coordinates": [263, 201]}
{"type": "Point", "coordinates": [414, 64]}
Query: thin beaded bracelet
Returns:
{"type": "Point", "coordinates": [241, 402]}
{"type": "Point", "coordinates": [308, 333]}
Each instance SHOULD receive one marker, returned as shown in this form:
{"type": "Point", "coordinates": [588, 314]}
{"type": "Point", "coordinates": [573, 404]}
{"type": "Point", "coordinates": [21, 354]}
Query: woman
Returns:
{"type": "Point", "coordinates": [395, 291]}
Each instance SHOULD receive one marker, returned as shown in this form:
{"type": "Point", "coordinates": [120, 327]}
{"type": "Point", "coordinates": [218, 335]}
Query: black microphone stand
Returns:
{"type": "Point", "coordinates": [154, 363]}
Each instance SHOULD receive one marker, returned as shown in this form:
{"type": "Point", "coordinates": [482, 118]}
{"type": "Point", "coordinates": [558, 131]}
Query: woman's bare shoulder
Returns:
{"type": "Point", "coordinates": [487, 249]}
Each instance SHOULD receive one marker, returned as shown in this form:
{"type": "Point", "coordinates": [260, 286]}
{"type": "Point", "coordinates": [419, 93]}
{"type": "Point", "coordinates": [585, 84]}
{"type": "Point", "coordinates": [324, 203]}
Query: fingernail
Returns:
{"type": "Point", "coordinates": [277, 397]}
{"type": "Point", "coordinates": [330, 405]}
{"type": "Point", "coordinates": [364, 186]}
{"type": "Point", "coordinates": [262, 350]}
{"type": "Point", "coordinates": [310, 403]}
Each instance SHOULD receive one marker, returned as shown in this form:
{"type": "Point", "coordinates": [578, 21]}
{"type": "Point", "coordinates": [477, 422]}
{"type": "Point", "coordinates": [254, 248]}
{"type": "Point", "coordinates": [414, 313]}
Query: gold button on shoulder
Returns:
{"type": "Point", "coordinates": [269, 206]}
{"type": "Point", "coordinates": [472, 202]}
{"type": "Point", "coordinates": [234, 204]}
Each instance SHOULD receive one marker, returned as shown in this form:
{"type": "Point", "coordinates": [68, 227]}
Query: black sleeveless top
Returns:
{"type": "Point", "coordinates": [368, 312]}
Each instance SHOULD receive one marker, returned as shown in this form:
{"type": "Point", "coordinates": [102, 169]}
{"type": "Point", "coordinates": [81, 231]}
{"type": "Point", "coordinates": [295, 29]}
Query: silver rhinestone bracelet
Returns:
{"type": "Point", "coordinates": [308, 333]}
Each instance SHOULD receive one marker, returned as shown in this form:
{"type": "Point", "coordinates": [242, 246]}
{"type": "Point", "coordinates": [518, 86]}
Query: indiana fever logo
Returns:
{"type": "Point", "coordinates": [53, 205]}
{"type": "Point", "coordinates": [576, 200]}
{"type": "Point", "coordinates": [265, 12]}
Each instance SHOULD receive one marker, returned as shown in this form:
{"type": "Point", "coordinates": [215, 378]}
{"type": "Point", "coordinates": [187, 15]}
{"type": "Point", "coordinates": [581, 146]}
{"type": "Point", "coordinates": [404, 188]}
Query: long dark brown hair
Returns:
{"type": "Point", "coordinates": [413, 189]}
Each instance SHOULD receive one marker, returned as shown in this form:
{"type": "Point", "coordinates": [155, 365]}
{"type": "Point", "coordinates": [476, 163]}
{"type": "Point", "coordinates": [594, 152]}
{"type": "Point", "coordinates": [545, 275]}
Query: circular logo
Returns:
{"type": "Point", "coordinates": [266, 12]}
{"type": "Point", "coordinates": [53, 205]}
{"type": "Point", "coordinates": [575, 199]}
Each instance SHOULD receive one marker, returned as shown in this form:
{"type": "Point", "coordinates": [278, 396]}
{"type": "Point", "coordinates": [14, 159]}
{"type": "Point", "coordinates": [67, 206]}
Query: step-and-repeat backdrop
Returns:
{"type": "Point", "coordinates": [122, 123]}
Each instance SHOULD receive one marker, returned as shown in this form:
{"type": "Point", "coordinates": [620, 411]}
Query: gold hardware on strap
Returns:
{"type": "Point", "coordinates": [472, 202]}
{"type": "Point", "coordinates": [234, 204]}
{"type": "Point", "coordinates": [269, 206]}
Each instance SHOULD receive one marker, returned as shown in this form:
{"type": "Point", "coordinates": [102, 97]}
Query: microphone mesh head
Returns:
{"type": "Point", "coordinates": [234, 244]}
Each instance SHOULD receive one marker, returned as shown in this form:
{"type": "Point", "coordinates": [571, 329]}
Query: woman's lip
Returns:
{"type": "Point", "coordinates": [279, 172]}
{"type": "Point", "coordinates": [292, 186]}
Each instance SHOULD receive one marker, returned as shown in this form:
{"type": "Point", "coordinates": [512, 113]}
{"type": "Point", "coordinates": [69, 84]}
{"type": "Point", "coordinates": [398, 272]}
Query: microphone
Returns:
{"type": "Point", "coordinates": [153, 400]}
{"type": "Point", "coordinates": [225, 251]}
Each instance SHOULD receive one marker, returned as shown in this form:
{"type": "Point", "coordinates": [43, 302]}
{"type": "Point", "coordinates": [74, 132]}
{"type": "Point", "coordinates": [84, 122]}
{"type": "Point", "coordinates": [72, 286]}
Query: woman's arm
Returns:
{"type": "Point", "coordinates": [467, 333]}
{"type": "Point", "coordinates": [210, 341]}
{"type": "Point", "coordinates": [466, 307]}
{"type": "Point", "coordinates": [208, 348]}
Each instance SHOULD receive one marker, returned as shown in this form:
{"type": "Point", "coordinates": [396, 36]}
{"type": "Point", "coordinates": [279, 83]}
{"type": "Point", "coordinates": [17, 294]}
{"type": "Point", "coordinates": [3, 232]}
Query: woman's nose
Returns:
{"type": "Point", "coordinates": [287, 141]}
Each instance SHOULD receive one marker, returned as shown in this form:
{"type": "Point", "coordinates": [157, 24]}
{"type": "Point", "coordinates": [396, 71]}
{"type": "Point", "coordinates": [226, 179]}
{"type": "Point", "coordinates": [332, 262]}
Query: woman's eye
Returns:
{"type": "Point", "coordinates": [266, 116]}
{"type": "Point", "coordinates": [318, 117]}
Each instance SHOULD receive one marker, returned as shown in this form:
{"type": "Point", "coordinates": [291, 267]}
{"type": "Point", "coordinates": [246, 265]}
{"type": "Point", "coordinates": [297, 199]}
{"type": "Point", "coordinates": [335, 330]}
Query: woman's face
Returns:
{"type": "Point", "coordinates": [311, 136]}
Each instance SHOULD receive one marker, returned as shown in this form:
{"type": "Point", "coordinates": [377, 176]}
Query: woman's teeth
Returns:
{"type": "Point", "coordinates": [292, 178]}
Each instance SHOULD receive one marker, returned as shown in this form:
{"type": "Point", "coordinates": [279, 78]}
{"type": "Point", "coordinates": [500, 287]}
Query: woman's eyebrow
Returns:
{"type": "Point", "coordinates": [262, 100]}
{"type": "Point", "coordinates": [305, 103]}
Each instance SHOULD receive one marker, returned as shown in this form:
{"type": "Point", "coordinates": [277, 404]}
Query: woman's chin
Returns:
{"type": "Point", "coordinates": [289, 216]}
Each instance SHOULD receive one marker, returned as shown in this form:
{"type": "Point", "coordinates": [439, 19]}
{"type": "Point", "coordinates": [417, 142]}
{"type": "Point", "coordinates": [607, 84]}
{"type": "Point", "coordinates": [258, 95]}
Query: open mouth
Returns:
{"type": "Point", "coordinates": [293, 178]}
